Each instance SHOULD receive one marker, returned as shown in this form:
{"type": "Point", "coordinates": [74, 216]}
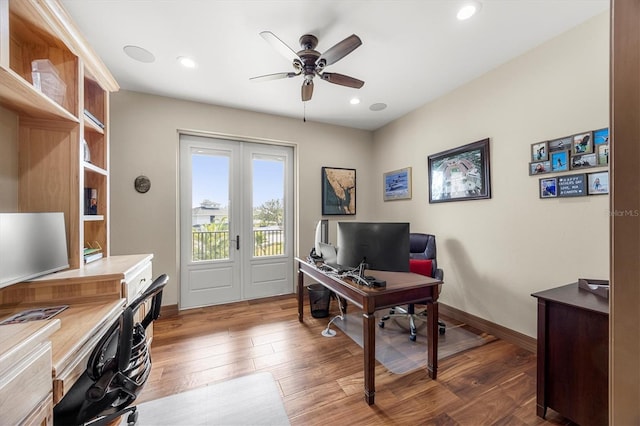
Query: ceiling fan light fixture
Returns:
{"type": "Point", "coordinates": [186, 62]}
{"type": "Point", "coordinates": [468, 9]}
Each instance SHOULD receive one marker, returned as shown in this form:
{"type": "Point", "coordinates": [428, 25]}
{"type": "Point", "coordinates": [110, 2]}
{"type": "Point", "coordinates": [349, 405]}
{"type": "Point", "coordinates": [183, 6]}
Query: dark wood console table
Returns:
{"type": "Point", "coordinates": [401, 288]}
{"type": "Point", "coordinates": [573, 354]}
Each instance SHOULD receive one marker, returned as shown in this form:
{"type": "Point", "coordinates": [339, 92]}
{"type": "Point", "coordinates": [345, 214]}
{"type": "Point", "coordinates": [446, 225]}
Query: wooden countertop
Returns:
{"type": "Point", "coordinates": [108, 268]}
{"type": "Point", "coordinates": [81, 324]}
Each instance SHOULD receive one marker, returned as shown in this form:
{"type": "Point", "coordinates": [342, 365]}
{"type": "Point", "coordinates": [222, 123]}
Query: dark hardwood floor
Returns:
{"type": "Point", "coordinates": [321, 379]}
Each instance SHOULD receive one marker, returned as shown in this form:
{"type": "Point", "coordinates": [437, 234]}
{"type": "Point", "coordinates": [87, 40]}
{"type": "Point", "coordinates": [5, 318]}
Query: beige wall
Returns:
{"type": "Point", "coordinates": [8, 161]}
{"type": "Point", "coordinates": [496, 252]}
{"type": "Point", "coordinates": [144, 140]}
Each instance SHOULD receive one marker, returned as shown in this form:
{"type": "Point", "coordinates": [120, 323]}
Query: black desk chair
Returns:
{"type": "Point", "coordinates": [117, 368]}
{"type": "Point", "coordinates": [422, 260]}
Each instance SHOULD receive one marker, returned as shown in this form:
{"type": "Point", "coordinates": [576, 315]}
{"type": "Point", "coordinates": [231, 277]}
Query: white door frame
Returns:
{"type": "Point", "coordinates": [292, 206]}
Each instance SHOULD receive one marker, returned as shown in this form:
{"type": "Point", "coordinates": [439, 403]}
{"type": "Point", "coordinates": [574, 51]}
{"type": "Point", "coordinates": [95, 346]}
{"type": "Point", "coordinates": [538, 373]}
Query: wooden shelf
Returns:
{"type": "Point", "coordinates": [93, 168]}
{"type": "Point", "coordinates": [19, 95]}
{"type": "Point", "coordinates": [89, 125]}
{"type": "Point", "coordinates": [93, 217]}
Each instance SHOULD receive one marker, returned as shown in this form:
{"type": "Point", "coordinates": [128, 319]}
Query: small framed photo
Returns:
{"type": "Point", "coordinates": [582, 144]}
{"type": "Point", "coordinates": [548, 188]}
{"type": "Point", "coordinates": [598, 183]}
{"type": "Point", "coordinates": [603, 154]}
{"type": "Point", "coordinates": [397, 184]}
{"type": "Point", "coordinates": [583, 161]}
{"type": "Point", "coordinates": [539, 151]}
{"type": "Point", "coordinates": [338, 191]}
{"type": "Point", "coordinates": [539, 167]}
{"type": "Point", "coordinates": [559, 161]}
{"type": "Point", "coordinates": [600, 136]}
{"type": "Point", "coordinates": [561, 144]}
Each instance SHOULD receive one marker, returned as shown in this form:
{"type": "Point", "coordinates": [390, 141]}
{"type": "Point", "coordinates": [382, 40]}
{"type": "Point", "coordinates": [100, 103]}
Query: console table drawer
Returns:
{"type": "Point", "coordinates": [140, 279]}
{"type": "Point", "coordinates": [27, 384]}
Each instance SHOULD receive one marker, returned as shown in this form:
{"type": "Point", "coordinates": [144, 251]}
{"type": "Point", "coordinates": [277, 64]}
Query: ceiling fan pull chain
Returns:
{"type": "Point", "coordinates": [304, 112]}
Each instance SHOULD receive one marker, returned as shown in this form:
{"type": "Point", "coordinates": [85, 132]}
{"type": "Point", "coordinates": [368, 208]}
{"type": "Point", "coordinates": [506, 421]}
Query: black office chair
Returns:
{"type": "Point", "coordinates": [421, 247]}
{"type": "Point", "coordinates": [117, 369]}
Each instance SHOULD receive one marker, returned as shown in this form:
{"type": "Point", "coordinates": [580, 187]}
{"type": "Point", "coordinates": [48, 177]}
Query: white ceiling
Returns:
{"type": "Point", "coordinates": [413, 50]}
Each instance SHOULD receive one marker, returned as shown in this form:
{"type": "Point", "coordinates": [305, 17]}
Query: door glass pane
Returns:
{"type": "Point", "coordinates": [210, 206]}
{"type": "Point", "coordinates": [268, 205]}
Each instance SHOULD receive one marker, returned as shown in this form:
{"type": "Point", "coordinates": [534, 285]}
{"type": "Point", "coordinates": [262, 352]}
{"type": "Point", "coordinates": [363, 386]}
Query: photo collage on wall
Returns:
{"type": "Point", "coordinates": [573, 153]}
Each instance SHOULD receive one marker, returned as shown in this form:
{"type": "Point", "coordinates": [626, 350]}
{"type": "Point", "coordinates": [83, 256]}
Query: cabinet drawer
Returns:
{"type": "Point", "coordinates": [26, 385]}
{"type": "Point", "coordinates": [139, 281]}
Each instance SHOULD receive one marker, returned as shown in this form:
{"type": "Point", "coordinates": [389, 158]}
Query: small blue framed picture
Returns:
{"type": "Point", "coordinates": [548, 188]}
{"type": "Point", "coordinates": [560, 161]}
{"type": "Point", "coordinates": [601, 136]}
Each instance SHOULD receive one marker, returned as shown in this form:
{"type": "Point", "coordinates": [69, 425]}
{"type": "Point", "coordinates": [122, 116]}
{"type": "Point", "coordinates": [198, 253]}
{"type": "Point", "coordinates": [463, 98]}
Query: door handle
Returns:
{"type": "Point", "coordinates": [237, 242]}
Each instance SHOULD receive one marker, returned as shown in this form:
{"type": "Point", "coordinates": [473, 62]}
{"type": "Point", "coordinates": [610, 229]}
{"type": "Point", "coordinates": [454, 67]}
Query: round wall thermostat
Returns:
{"type": "Point", "coordinates": [142, 184]}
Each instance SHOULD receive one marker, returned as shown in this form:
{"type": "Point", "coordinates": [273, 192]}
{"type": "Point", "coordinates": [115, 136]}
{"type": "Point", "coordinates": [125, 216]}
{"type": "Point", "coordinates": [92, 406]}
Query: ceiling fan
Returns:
{"type": "Point", "coordinates": [309, 62]}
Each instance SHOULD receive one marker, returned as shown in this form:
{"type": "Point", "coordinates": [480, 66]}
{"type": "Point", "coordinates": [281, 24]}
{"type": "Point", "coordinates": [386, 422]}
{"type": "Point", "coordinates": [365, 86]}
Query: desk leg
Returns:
{"type": "Point", "coordinates": [432, 338]}
{"type": "Point", "coordinates": [300, 296]}
{"type": "Point", "coordinates": [369, 342]}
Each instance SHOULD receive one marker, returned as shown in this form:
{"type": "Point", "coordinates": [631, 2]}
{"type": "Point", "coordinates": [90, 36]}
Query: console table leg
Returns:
{"type": "Point", "coordinates": [432, 338]}
{"type": "Point", "coordinates": [300, 296]}
{"type": "Point", "coordinates": [369, 347]}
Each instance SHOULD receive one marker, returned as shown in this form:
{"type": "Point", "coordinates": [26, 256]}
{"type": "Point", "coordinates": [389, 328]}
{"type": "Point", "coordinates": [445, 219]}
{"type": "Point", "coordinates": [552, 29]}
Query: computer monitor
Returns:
{"type": "Point", "coordinates": [384, 246]}
{"type": "Point", "coordinates": [31, 244]}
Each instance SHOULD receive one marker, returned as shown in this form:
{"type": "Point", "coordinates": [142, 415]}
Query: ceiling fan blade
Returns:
{"type": "Point", "coordinates": [279, 45]}
{"type": "Point", "coordinates": [342, 80]}
{"type": "Point", "coordinates": [307, 90]}
{"type": "Point", "coordinates": [275, 76]}
{"type": "Point", "coordinates": [340, 50]}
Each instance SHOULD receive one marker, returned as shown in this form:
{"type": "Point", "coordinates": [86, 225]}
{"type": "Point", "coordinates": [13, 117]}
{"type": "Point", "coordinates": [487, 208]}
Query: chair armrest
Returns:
{"type": "Point", "coordinates": [439, 274]}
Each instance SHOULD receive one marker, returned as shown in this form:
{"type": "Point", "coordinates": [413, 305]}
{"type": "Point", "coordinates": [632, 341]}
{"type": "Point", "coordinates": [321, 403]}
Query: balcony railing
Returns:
{"type": "Point", "coordinates": [214, 245]}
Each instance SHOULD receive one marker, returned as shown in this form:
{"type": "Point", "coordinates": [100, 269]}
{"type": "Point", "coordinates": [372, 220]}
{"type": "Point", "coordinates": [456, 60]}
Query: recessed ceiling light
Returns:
{"type": "Point", "coordinates": [139, 54]}
{"type": "Point", "coordinates": [186, 62]}
{"type": "Point", "coordinates": [354, 101]}
{"type": "Point", "coordinates": [468, 10]}
{"type": "Point", "coordinates": [378, 106]}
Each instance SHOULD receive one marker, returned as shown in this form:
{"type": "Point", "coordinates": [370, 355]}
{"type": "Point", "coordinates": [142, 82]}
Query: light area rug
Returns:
{"type": "Point", "coordinates": [248, 400]}
{"type": "Point", "coordinates": [397, 353]}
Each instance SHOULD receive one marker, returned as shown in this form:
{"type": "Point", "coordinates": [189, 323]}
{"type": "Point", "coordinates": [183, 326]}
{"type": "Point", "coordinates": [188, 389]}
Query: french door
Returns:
{"type": "Point", "coordinates": [236, 220]}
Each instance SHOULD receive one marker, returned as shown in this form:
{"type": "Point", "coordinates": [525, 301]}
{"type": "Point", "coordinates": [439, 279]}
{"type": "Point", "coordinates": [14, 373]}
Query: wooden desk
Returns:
{"type": "Point", "coordinates": [573, 345]}
{"type": "Point", "coordinates": [82, 325]}
{"type": "Point", "coordinates": [25, 373]}
{"type": "Point", "coordinates": [96, 295]}
{"type": "Point", "coordinates": [402, 288]}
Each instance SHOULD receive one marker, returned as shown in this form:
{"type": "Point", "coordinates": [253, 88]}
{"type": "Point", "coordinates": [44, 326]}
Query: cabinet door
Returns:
{"type": "Point", "coordinates": [577, 363]}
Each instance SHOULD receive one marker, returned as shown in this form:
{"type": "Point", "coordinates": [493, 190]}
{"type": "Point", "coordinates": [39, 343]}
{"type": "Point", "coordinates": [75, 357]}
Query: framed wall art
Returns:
{"type": "Point", "coordinates": [397, 185]}
{"type": "Point", "coordinates": [559, 161]}
{"type": "Point", "coordinates": [560, 144]}
{"type": "Point", "coordinates": [598, 183]}
{"type": "Point", "coordinates": [603, 154]}
{"type": "Point", "coordinates": [601, 136]}
{"type": "Point", "coordinates": [548, 187]}
{"type": "Point", "coordinates": [460, 173]}
{"type": "Point", "coordinates": [338, 191]}
{"type": "Point", "coordinates": [539, 167]}
{"type": "Point", "coordinates": [572, 185]}
{"type": "Point", "coordinates": [539, 151]}
{"type": "Point", "coordinates": [583, 161]}
{"type": "Point", "coordinates": [582, 144]}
